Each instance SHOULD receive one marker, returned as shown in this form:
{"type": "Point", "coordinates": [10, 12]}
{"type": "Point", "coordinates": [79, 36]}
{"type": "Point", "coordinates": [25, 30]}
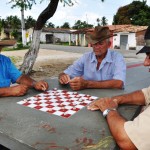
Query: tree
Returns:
{"type": "Point", "coordinates": [23, 5]}
{"type": "Point", "coordinates": [29, 22]}
{"type": "Point", "coordinates": [50, 25]}
{"type": "Point", "coordinates": [136, 13]}
{"type": "Point", "coordinates": [81, 25]}
{"type": "Point", "coordinates": [66, 25]}
{"type": "Point", "coordinates": [2, 24]}
{"type": "Point", "coordinates": [12, 22]}
{"type": "Point", "coordinates": [98, 21]}
{"type": "Point", "coordinates": [31, 55]}
{"type": "Point", "coordinates": [104, 21]}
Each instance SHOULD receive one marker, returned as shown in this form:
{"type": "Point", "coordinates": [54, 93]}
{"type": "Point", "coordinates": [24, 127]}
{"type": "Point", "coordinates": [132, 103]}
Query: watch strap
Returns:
{"type": "Point", "coordinates": [106, 111]}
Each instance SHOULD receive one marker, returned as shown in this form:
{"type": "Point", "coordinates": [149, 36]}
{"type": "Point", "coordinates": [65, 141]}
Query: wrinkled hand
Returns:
{"type": "Point", "coordinates": [18, 90]}
{"type": "Point", "coordinates": [64, 79]}
{"type": "Point", "coordinates": [41, 85]}
{"type": "Point", "coordinates": [78, 83]}
{"type": "Point", "coordinates": [103, 104]}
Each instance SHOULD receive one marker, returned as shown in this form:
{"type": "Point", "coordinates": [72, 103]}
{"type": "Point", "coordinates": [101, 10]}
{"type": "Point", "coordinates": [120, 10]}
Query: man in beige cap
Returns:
{"type": "Point", "coordinates": [10, 74]}
{"type": "Point", "coordinates": [129, 135]}
{"type": "Point", "coordinates": [102, 68]}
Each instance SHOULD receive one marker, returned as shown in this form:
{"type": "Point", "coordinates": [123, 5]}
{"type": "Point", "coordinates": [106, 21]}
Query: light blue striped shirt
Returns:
{"type": "Point", "coordinates": [112, 66]}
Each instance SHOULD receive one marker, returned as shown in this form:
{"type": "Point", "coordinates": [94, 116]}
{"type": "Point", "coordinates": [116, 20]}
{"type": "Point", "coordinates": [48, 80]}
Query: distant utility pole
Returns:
{"type": "Point", "coordinates": [86, 20]}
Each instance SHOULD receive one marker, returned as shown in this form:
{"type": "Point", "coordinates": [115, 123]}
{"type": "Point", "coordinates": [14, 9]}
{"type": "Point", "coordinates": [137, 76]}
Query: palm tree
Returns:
{"type": "Point", "coordinates": [29, 22]}
{"type": "Point", "coordinates": [98, 21]}
{"type": "Point", "coordinates": [104, 21]}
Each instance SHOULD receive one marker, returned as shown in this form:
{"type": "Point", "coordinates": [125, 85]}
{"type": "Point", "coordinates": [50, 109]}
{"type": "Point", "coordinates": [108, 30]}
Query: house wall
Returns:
{"type": "Point", "coordinates": [140, 39]}
{"type": "Point", "coordinates": [131, 39]}
{"type": "Point", "coordinates": [64, 37]}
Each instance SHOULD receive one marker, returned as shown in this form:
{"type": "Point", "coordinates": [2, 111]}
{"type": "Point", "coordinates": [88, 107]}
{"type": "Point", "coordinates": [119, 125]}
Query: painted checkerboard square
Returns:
{"type": "Point", "coordinates": [58, 102]}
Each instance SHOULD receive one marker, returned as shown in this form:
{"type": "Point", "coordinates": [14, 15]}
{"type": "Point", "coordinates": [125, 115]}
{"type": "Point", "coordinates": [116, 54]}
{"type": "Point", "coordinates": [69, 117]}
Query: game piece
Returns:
{"type": "Point", "coordinates": [58, 102]}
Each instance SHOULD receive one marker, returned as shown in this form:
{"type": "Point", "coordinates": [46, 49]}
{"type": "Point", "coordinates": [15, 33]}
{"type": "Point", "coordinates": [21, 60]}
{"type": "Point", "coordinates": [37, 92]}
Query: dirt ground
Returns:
{"type": "Point", "coordinates": [49, 63]}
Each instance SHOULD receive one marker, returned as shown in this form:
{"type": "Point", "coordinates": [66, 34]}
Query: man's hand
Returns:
{"type": "Point", "coordinates": [18, 90]}
{"type": "Point", "coordinates": [103, 104]}
{"type": "Point", "coordinates": [64, 78]}
{"type": "Point", "coordinates": [41, 85]}
{"type": "Point", "coordinates": [78, 83]}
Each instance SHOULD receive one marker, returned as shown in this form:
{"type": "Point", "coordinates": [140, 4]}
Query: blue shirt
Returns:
{"type": "Point", "coordinates": [8, 72]}
{"type": "Point", "coordinates": [112, 66]}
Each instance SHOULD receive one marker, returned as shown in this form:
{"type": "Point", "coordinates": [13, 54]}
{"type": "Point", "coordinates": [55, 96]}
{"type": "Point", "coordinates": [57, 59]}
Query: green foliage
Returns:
{"type": "Point", "coordinates": [29, 22]}
{"type": "Point", "coordinates": [14, 33]}
{"type": "Point", "coordinates": [80, 25]}
{"type": "Point", "coordinates": [66, 25]}
{"type": "Point", "coordinates": [136, 13]}
{"type": "Point", "coordinates": [25, 4]}
{"type": "Point", "coordinates": [50, 25]}
{"type": "Point", "coordinates": [18, 47]}
{"type": "Point", "coordinates": [104, 21]}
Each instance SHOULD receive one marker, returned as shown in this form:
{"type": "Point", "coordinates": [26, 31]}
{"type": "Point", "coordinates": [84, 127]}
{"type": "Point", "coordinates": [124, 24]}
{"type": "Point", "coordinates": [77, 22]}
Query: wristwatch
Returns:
{"type": "Point", "coordinates": [106, 111]}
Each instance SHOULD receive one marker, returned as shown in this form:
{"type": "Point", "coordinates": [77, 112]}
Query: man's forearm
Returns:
{"type": "Point", "coordinates": [136, 98]}
{"type": "Point", "coordinates": [4, 92]}
{"type": "Point", "coordinates": [24, 79]}
{"type": "Point", "coordinates": [104, 84]}
{"type": "Point", "coordinates": [116, 125]}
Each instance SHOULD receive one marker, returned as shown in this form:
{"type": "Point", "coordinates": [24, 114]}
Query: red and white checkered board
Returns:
{"type": "Point", "coordinates": [58, 102]}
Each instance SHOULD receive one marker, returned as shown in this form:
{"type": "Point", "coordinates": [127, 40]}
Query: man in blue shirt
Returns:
{"type": "Point", "coordinates": [102, 68]}
{"type": "Point", "coordinates": [10, 74]}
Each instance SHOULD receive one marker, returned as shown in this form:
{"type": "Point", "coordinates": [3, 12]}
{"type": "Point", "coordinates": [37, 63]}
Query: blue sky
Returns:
{"type": "Point", "coordinates": [84, 10]}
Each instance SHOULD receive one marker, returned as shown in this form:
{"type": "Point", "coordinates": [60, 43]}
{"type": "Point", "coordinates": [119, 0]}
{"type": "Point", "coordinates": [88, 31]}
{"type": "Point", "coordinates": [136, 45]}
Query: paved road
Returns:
{"type": "Point", "coordinates": [72, 49]}
{"type": "Point", "coordinates": [129, 55]}
{"type": "Point", "coordinates": [78, 49]}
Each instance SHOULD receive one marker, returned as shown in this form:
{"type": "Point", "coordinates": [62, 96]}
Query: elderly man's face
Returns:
{"type": "Point", "coordinates": [147, 60]}
{"type": "Point", "coordinates": [101, 48]}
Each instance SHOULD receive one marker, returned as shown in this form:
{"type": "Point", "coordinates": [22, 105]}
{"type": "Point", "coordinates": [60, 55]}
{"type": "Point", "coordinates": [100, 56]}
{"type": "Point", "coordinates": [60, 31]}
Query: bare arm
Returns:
{"type": "Point", "coordinates": [115, 122]}
{"type": "Point", "coordinates": [17, 90]}
{"type": "Point", "coordinates": [79, 83]}
{"type": "Point", "coordinates": [38, 85]}
{"type": "Point", "coordinates": [24, 79]}
{"type": "Point", "coordinates": [136, 98]}
{"type": "Point", "coordinates": [116, 125]}
{"type": "Point", "coordinates": [104, 84]}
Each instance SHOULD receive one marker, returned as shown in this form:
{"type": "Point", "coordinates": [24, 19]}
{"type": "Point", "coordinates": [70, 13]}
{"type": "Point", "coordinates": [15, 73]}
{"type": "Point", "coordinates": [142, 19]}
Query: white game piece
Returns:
{"type": "Point", "coordinates": [65, 113]}
{"type": "Point", "coordinates": [25, 100]}
{"type": "Point", "coordinates": [50, 109]}
{"type": "Point", "coordinates": [80, 100]}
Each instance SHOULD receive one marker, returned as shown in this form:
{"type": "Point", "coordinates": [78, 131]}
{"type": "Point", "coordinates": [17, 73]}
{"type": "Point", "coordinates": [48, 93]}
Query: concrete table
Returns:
{"type": "Point", "coordinates": [23, 128]}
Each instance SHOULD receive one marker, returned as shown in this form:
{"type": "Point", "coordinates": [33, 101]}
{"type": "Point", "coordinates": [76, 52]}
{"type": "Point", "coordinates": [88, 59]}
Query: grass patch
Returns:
{"type": "Point", "coordinates": [14, 49]}
{"type": "Point", "coordinates": [15, 59]}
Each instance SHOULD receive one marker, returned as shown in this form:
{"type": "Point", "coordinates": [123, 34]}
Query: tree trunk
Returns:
{"type": "Point", "coordinates": [31, 55]}
{"type": "Point", "coordinates": [24, 41]}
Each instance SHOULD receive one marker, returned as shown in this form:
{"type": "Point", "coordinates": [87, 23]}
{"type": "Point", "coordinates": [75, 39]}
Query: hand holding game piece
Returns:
{"type": "Point", "coordinates": [64, 78]}
{"type": "Point", "coordinates": [78, 83]}
{"type": "Point", "coordinates": [41, 85]}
